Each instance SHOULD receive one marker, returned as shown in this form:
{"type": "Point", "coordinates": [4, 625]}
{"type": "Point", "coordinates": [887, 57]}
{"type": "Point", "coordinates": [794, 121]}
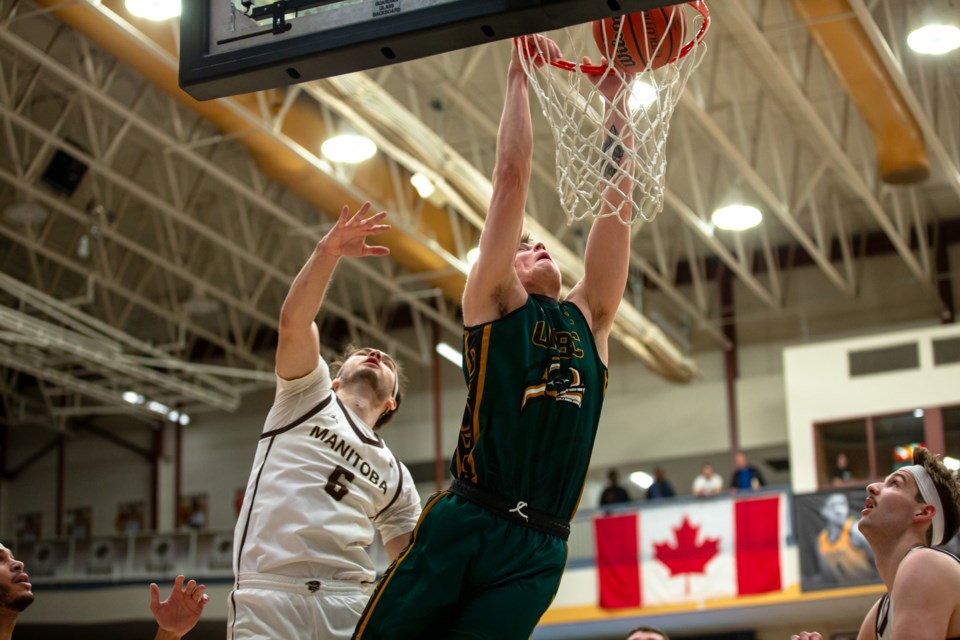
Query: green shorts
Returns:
{"type": "Point", "coordinates": [467, 573]}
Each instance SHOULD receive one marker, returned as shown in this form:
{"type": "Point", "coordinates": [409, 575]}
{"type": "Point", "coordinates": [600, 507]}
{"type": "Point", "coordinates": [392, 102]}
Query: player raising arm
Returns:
{"type": "Point", "coordinates": [488, 553]}
{"type": "Point", "coordinates": [322, 478]}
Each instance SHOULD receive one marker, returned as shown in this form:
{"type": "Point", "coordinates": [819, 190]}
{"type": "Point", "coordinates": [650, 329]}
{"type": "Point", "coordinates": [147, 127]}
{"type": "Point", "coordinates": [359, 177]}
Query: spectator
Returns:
{"type": "Point", "coordinates": [198, 513]}
{"type": "Point", "coordinates": [707, 483]}
{"type": "Point", "coordinates": [661, 487]}
{"type": "Point", "coordinates": [647, 633]}
{"type": "Point", "coordinates": [841, 473]}
{"type": "Point", "coordinates": [614, 493]}
{"type": "Point", "coordinates": [745, 476]}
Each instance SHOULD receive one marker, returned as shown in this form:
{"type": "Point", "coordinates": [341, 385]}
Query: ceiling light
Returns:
{"type": "Point", "coordinates": [642, 479]}
{"type": "Point", "coordinates": [132, 397]}
{"type": "Point", "coordinates": [184, 420]}
{"type": "Point", "coordinates": [934, 39]}
{"type": "Point", "coordinates": [736, 217]}
{"type": "Point", "coordinates": [918, 413]}
{"type": "Point", "coordinates": [450, 353]}
{"type": "Point", "coordinates": [951, 463]}
{"type": "Point", "coordinates": [472, 256]}
{"type": "Point", "coordinates": [642, 95]}
{"type": "Point", "coordinates": [25, 212]}
{"type": "Point", "coordinates": [423, 185]}
{"type": "Point", "coordinates": [154, 9]}
{"type": "Point", "coordinates": [348, 148]}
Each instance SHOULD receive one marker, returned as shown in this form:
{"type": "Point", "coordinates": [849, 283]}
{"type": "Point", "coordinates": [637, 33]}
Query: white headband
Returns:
{"type": "Point", "coordinates": [928, 491]}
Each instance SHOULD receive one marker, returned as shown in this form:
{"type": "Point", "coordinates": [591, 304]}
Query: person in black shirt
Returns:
{"type": "Point", "coordinates": [614, 493]}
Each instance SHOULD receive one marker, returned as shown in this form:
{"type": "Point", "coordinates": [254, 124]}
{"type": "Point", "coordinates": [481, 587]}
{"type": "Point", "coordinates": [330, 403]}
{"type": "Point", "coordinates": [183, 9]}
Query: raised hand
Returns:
{"type": "Point", "coordinates": [807, 635]}
{"type": "Point", "coordinates": [348, 237]}
{"type": "Point", "coordinates": [180, 612]}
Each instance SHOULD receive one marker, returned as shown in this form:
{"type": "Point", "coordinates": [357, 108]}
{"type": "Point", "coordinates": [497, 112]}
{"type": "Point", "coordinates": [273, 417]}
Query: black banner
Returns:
{"type": "Point", "coordinates": [833, 552]}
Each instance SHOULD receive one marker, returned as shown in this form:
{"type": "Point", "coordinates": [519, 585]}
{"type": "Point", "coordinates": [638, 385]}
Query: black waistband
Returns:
{"type": "Point", "coordinates": [516, 512]}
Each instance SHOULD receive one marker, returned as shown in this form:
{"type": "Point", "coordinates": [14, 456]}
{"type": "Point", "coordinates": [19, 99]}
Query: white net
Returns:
{"type": "Point", "coordinates": [610, 127]}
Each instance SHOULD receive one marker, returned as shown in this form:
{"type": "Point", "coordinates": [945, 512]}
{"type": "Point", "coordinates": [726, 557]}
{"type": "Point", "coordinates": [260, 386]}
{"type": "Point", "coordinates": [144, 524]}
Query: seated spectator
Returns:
{"type": "Point", "coordinates": [613, 493]}
{"type": "Point", "coordinates": [842, 473]}
{"type": "Point", "coordinates": [707, 483]}
{"type": "Point", "coordinates": [661, 487]}
{"type": "Point", "coordinates": [745, 476]}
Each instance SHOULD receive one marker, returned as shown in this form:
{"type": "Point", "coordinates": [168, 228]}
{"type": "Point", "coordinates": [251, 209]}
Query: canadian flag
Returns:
{"type": "Point", "coordinates": [691, 552]}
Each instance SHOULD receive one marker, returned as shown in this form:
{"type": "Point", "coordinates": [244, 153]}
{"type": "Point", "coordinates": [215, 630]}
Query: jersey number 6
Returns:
{"type": "Point", "coordinates": [334, 487]}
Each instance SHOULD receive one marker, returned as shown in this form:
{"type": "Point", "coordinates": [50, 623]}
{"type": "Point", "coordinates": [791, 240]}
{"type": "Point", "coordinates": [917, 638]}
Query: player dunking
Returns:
{"type": "Point", "coordinates": [487, 555]}
{"type": "Point", "coordinates": [321, 475]}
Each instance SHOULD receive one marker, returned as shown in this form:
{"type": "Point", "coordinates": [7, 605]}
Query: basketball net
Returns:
{"type": "Point", "coordinates": [577, 111]}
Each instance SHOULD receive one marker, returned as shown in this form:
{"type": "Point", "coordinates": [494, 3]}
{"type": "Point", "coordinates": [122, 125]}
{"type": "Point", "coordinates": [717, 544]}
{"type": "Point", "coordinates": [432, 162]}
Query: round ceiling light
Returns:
{"type": "Point", "coordinates": [934, 39]}
{"type": "Point", "coordinates": [156, 10]}
{"type": "Point", "coordinates": [348, 148]}
{"type": "Point", "coordinates": [736, 217]}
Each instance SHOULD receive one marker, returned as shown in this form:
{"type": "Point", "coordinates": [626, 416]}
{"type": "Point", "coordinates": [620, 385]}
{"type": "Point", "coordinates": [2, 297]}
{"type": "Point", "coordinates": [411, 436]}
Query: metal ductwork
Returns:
{"type": "Point", "coordinates": [901, 152]}
{"type": "Point", "coordinates": [303, 123]}
{"type": "Point", "coordinates": [431, 242]}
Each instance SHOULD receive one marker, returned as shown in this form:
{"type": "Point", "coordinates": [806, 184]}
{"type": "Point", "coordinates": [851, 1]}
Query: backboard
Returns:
{"type": "Point", "coordinates": [239, 46]}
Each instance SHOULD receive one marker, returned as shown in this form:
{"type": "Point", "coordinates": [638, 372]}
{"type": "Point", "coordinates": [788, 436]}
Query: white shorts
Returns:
{"type": "Point", "coordinates": [278, 607]}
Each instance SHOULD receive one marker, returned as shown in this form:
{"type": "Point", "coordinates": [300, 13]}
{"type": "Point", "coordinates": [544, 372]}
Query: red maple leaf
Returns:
{"type": "Point", "coordinates": [687, 557]}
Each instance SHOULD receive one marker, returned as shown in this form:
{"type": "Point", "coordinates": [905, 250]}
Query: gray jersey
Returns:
{"type": "Point", "coordinates": [321, 480]}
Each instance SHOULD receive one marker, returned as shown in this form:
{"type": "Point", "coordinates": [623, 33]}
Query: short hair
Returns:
{"type": "Point", "coordinates": [649, 630]}
{"type": "Point", "coordinates": [525, 237]}
{"type": "Point", "coordinates": [947, 488]}
{"type": "Point", "coordinates": [387, 415]}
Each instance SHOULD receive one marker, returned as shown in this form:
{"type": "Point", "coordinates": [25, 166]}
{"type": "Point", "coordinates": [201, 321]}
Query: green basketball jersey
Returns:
{"type": "Point", "coordinates": [535, 386]}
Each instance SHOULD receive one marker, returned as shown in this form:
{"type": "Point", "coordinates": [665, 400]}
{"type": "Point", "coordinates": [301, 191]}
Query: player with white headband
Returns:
{"type": "Point", "coordinates": [908, 515]}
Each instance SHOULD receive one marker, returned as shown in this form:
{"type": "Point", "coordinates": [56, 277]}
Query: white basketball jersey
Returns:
{"type": "Point", "coordinates": [321, 479]}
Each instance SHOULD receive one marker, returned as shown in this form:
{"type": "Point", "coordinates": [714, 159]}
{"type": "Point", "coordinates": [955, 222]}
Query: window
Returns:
{"type": "Point", "coordinates": [850, 439]}
{"type": "Point", "coordinates": [892, 437]}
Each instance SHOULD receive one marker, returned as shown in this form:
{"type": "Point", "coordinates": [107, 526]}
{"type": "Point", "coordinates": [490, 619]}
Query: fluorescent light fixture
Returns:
{"type": "Point", "coordinates": [158, 407]}
{"type": "Point", "coordinates": [25, 212]}
{"type": "Point", "coordinates": [934, 39]}
{"type": "Point", "coordinates": [472, 256]}
{"type": "Point", "coordinates": [951, 463]}
{"type": "Point", "coordinates": [423, 185]}
{"type": "Point", "coordinates": [154, 9]}
{"type": "Point", "coordinates": [642, 95]}
{"type": "Point", "coordinates": [450, 353]}
{"type": "Point", "coordinates": [918, 413]}
{"type": "Point", "coordinates": [736, 217]}
{"type": "Point", "coordinates": [348, 148]}
{"type": "Point", "coordinates": [642, 479]}
{"type": "Point", "coordinates": [132, 397]}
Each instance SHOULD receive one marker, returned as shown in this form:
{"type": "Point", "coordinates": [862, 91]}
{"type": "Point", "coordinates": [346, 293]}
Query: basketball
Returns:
{"type": "Point", "coordinates": [637, 45]}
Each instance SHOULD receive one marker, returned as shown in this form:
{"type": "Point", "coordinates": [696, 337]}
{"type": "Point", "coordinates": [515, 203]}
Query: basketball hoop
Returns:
{"type": "Point", "coordinates": [650, 57]}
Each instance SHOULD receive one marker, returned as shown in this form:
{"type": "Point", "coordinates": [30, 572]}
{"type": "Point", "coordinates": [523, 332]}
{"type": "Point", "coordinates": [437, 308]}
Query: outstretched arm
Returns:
{"type": "Point", "coordinates": [607, 258]}
{"type": "Point", "coordinates": [493, 288]}
{"type": "Point", "coordinates": [298, 349]}
{"type": "Point", "coordinates": [180, 612]}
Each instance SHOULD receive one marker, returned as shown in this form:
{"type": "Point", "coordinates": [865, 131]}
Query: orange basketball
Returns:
{"type": "Point", "coordinates": [646, 38]}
